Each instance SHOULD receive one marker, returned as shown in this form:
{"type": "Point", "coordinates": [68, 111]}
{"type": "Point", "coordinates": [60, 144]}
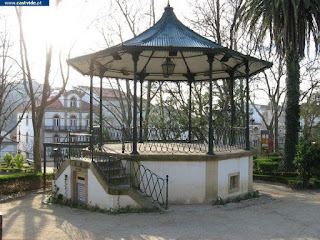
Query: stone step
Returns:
{"type": "Point", "coordinates": [109, 163]}
{"type": "Point", "coordinates": [119, 180]}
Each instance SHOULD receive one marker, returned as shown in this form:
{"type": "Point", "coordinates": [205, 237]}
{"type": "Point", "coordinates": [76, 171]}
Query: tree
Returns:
{"type": "Point", "coordinates": [218, 20]}
{"type": "Point", "coordinates": [310, 98]}
{"type": "Point", "coordinates": [11, 94]}
{"type": "Point", "coordinates": [271, 85]}
{"type": "Point", "coordinates": [38, 103]}
{"type": "Point", "coordinates": [290, 25]}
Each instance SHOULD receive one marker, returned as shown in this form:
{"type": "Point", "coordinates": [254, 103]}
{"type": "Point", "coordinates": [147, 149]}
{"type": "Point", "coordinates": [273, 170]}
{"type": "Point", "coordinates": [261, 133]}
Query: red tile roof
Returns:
{"type": "Point", "coordinates": [56, 103]}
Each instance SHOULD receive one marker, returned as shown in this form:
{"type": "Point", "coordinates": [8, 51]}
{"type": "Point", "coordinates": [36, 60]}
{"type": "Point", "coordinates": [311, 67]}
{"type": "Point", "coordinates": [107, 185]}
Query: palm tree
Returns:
{"type": "Point", "coordinates": [290, 25]}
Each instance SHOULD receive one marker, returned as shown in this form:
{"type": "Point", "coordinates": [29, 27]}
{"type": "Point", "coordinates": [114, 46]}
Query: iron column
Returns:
{"type": "Point", "coordinates": [135, 58]}
{"type": "Point", "coordinates": [141, 116]}
{"type": "Point", "coordinates": [210, 150]}
{"type": "Point", "coordinates": [189, 113]}
{"type": "Point", "coordinates": [100, 116]}
{"type": "Point", "coordinates": [91, 108]}
{"type": "Point", "coordinates": [247, 105]}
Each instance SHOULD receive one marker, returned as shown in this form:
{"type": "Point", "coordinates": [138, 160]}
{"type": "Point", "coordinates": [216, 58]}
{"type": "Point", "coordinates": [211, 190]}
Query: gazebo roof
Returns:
{"type": "Point", "coordinates": [168, 38]}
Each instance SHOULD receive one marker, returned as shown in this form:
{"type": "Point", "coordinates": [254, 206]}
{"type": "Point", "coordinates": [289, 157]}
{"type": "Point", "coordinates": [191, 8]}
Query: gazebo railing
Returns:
{"type": "Point", "coordinates": [177, 140]}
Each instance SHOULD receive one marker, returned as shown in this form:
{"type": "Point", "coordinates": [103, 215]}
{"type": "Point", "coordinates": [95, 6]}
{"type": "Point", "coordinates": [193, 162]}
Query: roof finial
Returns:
{"type": "Point", "coordinates": [168, 3]}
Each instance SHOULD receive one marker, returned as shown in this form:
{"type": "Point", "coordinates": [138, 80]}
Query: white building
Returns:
{"type": "Point", "coordinates": [257, 124]}
{"type": "Point", "coordinates": [70, 113]}
{"type": "Point", "coordinates": [8, 145]}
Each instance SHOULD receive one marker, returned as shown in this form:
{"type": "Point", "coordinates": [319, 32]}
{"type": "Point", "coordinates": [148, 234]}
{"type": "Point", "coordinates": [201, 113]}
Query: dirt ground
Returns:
{"type": "Point", "coordinates": [279, 213]}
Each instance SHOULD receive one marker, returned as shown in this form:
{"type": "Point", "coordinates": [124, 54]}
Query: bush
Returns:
{"type": "Point", "coordinates": [295, 184]}
{"type": "Point", "coordinates": [19, 182]}
{"type": "Point", "coordinates": [272, 178]}
{"type": "Point", "coordinates": [19, 160]}
{"type": "Point", "coordinates": [307, 160]}
{"type": "Point", "coordinates": [267, 166]}
{"type": "Point", "coordinates": [8, 159]}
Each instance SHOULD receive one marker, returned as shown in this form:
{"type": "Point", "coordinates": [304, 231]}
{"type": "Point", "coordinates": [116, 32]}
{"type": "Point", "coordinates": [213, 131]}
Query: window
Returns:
{"type": "Point", "coordinates": [56, 121]}
{"type": "Point", "coordinates": [234, 180]}
{"type": "Point", "coordinates": [87, 122]}
{"type": "Point", "coordinates": [73, 121]}
{"type": "Point", "coordinates": [56, 138]}
{"type": "Point", "coordinates": [73, 102]}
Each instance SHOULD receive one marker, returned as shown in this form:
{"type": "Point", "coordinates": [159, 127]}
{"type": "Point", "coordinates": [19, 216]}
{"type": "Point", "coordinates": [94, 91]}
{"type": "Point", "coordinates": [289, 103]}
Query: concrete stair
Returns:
{"type": "Point", "coordinates": [114, 172]}
{"type": "Point", "coordinates": [119, 183]}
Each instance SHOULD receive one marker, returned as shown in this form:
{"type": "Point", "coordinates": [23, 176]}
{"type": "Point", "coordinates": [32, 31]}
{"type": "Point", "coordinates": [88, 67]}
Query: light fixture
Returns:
{"type": "Point", "coordinates": [125, 72]}
{"type": "Point", "coordinates": [167, 67]}
{"type": "Point", "coordinates": [116, 56]}
{"type": "Point", "coordinates": [225, 58]}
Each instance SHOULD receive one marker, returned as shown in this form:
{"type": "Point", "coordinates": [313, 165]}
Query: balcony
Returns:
{"type": "Point", "coordinates": [66, 128]}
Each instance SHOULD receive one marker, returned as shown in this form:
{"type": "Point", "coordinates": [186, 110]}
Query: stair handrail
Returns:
{"type": "Point", "coordinates": [141, 177]}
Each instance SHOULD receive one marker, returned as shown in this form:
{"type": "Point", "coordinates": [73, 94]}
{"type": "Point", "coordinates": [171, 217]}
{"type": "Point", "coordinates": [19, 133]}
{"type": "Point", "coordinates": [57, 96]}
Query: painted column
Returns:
{"type": "Point", "coordinates": [189, 113]}
{"type": "Point", "coordinates": [100, 115]}
{"type": "Point", "coordinates": [91, 108]}
{"type": "Point", "coordinates": [247, 105]}
{"type": "Point", "coordinates": [210, 147]}
{"type": "Point", "coordinates": [232, 122]}
{"type": "Point", "coordinates": [135, 58]}
{"type": "Point", "coordinates": [141, 116]}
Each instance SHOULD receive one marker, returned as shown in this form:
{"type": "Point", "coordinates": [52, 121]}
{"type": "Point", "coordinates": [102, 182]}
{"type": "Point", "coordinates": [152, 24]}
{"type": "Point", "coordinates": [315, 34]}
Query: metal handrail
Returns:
{"type": "Point", "coordinates": [140, 177]}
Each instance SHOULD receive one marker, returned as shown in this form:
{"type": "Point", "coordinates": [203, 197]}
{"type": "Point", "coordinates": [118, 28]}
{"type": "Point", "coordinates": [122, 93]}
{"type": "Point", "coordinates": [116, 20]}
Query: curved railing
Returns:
{"type": "Point", "coordinates": [149, 183]}
{"type": "Point", "coordinates": [177, 140]}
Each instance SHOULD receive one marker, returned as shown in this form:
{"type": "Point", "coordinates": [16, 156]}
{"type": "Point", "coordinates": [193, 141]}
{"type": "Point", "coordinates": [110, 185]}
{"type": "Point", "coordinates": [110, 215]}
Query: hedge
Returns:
{"type": "Point", "coordinates": [267, 166]}
{"type": "Point", "coordinates": [19, 182]}
{"type": "Point", "coordinates": [273, 178]}
{"type": "Point", "coordinates": [292, 182]}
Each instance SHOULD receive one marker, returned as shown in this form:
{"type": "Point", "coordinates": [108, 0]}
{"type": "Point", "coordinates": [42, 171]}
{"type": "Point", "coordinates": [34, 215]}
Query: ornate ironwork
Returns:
{"type": "Point", "coordinates": [122, 172]}
{"type": "Point", "coordinates": [177, 140]}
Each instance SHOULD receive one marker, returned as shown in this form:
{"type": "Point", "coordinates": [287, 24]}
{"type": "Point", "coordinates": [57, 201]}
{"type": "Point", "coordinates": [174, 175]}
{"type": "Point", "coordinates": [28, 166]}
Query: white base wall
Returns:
{"type": "Point", "coordinates": [187, 180]}
{"type": "Point", "coordinates": [226, 167]}
{"type": "Point", "coordinates": [202, 181]}
{"type": "Point", "coordinates": [63, 184]}
{"type": "Point", "coordinates": [98, 196]}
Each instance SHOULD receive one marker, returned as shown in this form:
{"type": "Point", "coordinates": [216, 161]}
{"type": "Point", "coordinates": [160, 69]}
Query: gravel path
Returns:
{"type": "Point", "coordinates": [279, 213]}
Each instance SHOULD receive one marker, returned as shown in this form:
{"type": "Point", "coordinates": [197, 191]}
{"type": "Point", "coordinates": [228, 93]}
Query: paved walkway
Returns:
{"type": "Point", "coordinates": [279, 214]}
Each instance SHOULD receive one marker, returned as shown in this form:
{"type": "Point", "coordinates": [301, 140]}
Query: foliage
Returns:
{"type": "Point", "coordinates": [290, 24]}
{"type": "Point", "coordinates": [21, 182]}
{"type": "Point", "coordinates": [19, 160]}
{"type": "Point", "coordinates": [5, 169]}
{"type": "Point", "coordinates": [273, 178]}
{"type": "Point", "coordinates": [314, 183]}
{"type": "Point", "coordinates": [266, 164]}
{"type": "Point", "coordinates": [221, 201]}
{"type": "Point", "coordinates": [310, 111]}
{"type": "Point", "coordinates": [307, 160]}
{"type": "Point", "coordinates": [8, 159]}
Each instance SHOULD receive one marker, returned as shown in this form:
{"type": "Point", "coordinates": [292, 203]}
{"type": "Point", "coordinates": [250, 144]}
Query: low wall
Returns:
{"type": "Point", "coordinates": [204, 180]}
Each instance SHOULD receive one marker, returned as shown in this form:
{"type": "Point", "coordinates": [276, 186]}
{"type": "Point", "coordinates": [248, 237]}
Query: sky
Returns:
{"type": "Point", "coordinates": [75, 25]}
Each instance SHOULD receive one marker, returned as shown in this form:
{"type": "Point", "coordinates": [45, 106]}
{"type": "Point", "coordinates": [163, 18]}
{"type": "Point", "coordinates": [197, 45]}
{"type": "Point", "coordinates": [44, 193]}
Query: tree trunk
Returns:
{"type": "Point", "coordinates": [276, 129]}
{"type": "Point", "coordinates": [37, 150]}
{"type": "Point", "coordinates": [292, 109]}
